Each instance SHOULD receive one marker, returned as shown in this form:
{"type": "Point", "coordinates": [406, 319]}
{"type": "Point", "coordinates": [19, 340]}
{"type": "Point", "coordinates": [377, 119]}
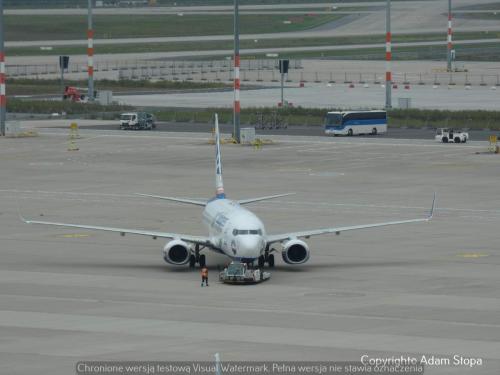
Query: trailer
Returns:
{"type": "Point", "coordinates": [242, 273]}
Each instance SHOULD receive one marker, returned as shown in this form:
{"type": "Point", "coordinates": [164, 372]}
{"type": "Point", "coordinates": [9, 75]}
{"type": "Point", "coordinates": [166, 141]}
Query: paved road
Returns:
{"type": "Point", "coordinates": [333, 96]}
{"type": "Point", "coordinates": [393, 133]}
{"type": "Point", "coordinates": [249, 51]}
{"type": "Point", "coordinates": [212, 9]}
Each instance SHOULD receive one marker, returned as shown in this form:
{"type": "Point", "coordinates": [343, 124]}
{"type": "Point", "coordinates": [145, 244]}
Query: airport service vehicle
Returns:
{"type": "Point", "coordinates": [447, 135]}
{"type": "Point", "coordinates": [356, 122]}
{"type": "Point", "coordinates": [233, 230]}
{"type": "Point", "coordinates": [136, 121]}
{"type": "Point", "coordinates": [151, 120]}
{"type": "Point", "coordinates": [242, 273]}
{"type": "Point", "coordinates": [74, 94]}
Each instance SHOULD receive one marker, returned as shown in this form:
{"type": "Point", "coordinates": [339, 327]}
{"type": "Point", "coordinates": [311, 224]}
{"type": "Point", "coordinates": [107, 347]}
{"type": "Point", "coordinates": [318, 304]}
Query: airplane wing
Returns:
{"type": "Point", "coordinates": [251, 200]}
{"type": "Point", "coordinates": [316, 232]}
{"type": "Point", "coordinates": [173, 199]}
{"type": "Point", "coordinates": [188, 238]}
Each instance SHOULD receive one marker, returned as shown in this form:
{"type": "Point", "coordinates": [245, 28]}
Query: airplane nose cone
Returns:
{"type": "Point", "coordinates": [249, 246]}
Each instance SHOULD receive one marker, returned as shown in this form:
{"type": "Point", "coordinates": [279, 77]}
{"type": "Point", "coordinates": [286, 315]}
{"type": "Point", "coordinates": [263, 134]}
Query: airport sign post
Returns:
{"type": "Point", "coordinates": [63, 64]}
{"type": "Point", "coordinates": [3, 97]}
{"type": "Point", "coordinates": [283, 64]}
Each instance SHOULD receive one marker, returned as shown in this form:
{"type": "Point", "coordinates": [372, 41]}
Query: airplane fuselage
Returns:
{"type": "Point", "coordinates": [234, 230]}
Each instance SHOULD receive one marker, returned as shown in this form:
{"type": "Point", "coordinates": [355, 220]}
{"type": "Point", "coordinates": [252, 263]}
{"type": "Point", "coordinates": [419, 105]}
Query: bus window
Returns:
{"type": "Point", "coordinates": [333, 119]}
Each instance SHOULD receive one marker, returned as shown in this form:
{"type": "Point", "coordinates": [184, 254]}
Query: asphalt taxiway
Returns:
{"type": "Point", "coordinates": [70, 295]}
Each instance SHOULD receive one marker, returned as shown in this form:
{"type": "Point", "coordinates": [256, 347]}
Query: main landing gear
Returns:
{"type": "Point", "coordinates": [197, 258]}
{"type": "Point", "coordinates": [267, 258]}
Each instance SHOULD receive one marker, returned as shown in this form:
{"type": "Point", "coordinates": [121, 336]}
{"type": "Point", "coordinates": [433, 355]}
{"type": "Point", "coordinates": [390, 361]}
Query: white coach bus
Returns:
{"type": "Point", "coordinates": [356, 122]}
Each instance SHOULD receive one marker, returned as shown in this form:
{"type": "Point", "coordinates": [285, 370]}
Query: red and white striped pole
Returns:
{"type": "Point", "coordinates": [237, 85]}
{"type": "Point", "coordinates": [237, 82]}
{"type": "Point", "coordinates": [90, 52]}
{"type": "Point", "coordinates": [3, 97]}
{"type": "Point", "coordinates": [388, 57]}
{"type": "Point", "coordinates": [450, 33]}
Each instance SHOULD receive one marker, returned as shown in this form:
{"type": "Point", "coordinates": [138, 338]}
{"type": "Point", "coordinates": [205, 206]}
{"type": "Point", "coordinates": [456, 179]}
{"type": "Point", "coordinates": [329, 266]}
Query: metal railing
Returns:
{"type": "Point", "coordinates": [255, 71]}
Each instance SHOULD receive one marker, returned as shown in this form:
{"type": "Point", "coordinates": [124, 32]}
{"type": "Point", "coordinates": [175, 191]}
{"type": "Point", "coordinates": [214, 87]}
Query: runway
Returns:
{"type": "Point", "coordinates": [71, 295]}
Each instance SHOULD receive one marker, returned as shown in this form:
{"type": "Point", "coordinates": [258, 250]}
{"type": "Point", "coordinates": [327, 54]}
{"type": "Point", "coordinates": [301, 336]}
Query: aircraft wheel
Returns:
{"type": "Point", "coordinates": [192, 261]}
{"type": "Point", "coordinates": [270, 261]}
{"type": "Point", "coordinates": [261, 261]}
{"type": "Point", "coordinates": [202, 261]}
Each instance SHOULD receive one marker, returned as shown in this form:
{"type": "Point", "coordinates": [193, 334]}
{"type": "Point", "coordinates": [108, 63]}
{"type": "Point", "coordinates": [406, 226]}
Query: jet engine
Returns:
{"type": "Point", "coordinates": [295, 252]}
{"type": "Point", "coordinates": [176, 252]}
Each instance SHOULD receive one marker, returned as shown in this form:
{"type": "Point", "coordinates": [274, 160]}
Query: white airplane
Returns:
{"type": "Point", "coordinates": [233, 230]}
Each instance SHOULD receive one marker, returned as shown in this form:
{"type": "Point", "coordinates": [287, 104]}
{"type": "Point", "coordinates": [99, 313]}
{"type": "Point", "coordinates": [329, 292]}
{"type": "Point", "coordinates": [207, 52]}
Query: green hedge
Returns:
{"type": "Point", "coordinates": [21, 86]}
{"type": "Point", "coordinates": [55, 106]}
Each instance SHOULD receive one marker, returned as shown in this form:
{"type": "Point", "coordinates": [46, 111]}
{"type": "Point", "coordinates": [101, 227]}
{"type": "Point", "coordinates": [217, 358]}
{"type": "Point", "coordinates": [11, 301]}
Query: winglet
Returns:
{"type": "Point", "coordinates": [431, 213]}
{"type": "Point", "coordinates": [19, 213]}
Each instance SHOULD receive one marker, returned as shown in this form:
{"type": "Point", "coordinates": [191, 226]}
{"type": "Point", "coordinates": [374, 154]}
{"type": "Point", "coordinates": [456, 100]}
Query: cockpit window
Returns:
{"type": "Point", "coordinates": [237, 232]}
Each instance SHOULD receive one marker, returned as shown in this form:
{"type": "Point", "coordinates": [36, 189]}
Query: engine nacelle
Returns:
{"type": "Point", "coordinates": [176, 252]}
{"type": "Point", "coordinates": [295, 252]}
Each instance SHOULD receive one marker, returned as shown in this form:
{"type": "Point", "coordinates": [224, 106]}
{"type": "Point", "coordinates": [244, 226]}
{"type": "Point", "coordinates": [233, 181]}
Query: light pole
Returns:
{"type": "Point", "coordinates": [90, 52]}
{"type": "Point", "coordinates": [388, 57]}
{"type": "Point", "coordinates": [450, 45]}
{"type": "Point", "coordinates": [3, 97]}
{"type": "Point", "coordinates": [237, 109]}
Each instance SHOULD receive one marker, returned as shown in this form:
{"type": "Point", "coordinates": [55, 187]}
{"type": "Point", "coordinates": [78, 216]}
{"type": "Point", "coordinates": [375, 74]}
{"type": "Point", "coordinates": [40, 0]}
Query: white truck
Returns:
{"type": "Point", "coordinates": [448, 135]}
{"type": "Point", "coordinates": [137, 121]}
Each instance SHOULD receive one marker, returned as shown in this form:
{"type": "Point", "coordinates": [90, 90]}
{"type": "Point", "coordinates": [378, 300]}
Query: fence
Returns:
{"type": "Point", "coordinates": [171, 67]}
{"type": "Point", "coordinates": [255, 71]}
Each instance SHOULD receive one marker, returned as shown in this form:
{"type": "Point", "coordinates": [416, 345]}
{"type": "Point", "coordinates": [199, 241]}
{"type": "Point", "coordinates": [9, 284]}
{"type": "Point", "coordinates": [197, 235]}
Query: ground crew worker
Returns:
{"type": "Point", "coordinates": [204, 275]}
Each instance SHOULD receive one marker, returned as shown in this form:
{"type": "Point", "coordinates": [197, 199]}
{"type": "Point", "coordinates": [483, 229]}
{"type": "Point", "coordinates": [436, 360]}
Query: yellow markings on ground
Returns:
{"type": "Point", "coordinates": [472, 255]}
{"type": "Point", "coordinates": [74, 235]}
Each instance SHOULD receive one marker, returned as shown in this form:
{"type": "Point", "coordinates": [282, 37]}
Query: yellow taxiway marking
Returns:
{"type": "Point", "coordinates": [472, 255]}
{"type": "Point", "coordinates": [75, 235]}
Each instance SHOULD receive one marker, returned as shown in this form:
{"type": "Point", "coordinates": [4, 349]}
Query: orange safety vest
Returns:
{"type": "Point", "coordinates": [204, 272]}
